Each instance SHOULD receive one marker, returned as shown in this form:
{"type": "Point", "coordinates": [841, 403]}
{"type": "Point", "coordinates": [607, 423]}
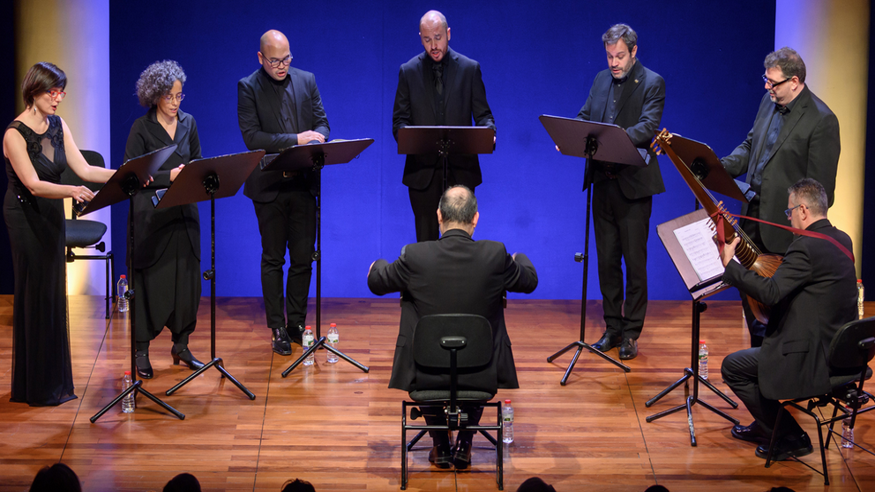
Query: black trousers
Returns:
{"type": "Point", "coordinates": [287, 223]}
{"type": "Point", "coordinates": [740, 373]}
{"type": "Point", "coordinates": [168, 292]}
{"type": "Point", "coordinates": [436, 416]}
{"type": "Point", "coordinates": [621, 228]}
{"type": "Point", "coordinates": [425, 204]}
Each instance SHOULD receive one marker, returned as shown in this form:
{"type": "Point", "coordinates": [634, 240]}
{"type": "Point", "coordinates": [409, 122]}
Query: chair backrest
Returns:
{"type": "Point", "coordinates": [853, 346]}
{"type": "Point", "coordinates": [475, 367]}
{"type": "Point", "coordinates": [68, 177]}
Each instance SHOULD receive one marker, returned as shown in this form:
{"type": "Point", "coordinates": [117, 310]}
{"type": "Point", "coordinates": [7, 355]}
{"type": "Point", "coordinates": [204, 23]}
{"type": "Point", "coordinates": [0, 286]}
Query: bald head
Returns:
{"type": "Point", "coordinates": [458, 210]}
{"type": "Point", "coordinates": [434, 34]}
{"type": "Point", "coordinates": [274, 54]}
{"type": "Point", "coordinates": [433, 18]}
{"type": "Point", "coordinates": [273, 39]}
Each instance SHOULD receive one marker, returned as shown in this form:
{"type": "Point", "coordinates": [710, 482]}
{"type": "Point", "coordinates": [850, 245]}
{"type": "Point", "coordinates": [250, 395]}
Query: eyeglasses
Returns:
{"type": "Point", "coordinates": [171, 97]}
{"type": "Point", "coordinates": [772, 85]}
{"type": "Point", "coordinates": [789, 211]}
{"type": "Point", "coordinates": [274, 63]}
{"type": "Point", "coordinates": [59, 95]}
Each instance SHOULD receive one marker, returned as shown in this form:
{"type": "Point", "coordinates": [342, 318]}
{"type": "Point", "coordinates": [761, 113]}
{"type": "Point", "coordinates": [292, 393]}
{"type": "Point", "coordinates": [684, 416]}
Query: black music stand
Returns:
{"type": "Point", "coordinates": [699, 289]}
{"type": "Point", "coordinates": [704, 164]}
{"type": "Point", "coordinates": [124, 184]}
{"type": "Point", "coordinates": [201, 180]}
{"type": "Point", "coordinates": [314, 157]}
{"type": "Point", "coordinates": [445, 141]}
{"type": "Point", "coordinates": [604, 142]}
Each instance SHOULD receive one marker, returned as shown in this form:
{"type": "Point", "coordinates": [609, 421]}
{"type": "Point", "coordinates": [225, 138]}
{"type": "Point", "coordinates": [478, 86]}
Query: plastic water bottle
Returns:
{"type": "Point", "coordinates": [847, 433]}
{"type": "Point", "coordinates": [861, 311]}
{"type": "Point", "coordinates": [306, 343]}
{"type": "Point", "coordinates": [128, 402]}
{"type": "Point", "coordinates": [507, 424]}
{"type": "Point", "coordinates": [333, 340]}
{"type": "Point", "coordinates": [121, 289]}
{"type": "Point", "coordinates": [703, 359]}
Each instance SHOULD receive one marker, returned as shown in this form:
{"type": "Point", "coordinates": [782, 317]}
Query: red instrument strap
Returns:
{"type": "Point", "coordinates": [718, 216]}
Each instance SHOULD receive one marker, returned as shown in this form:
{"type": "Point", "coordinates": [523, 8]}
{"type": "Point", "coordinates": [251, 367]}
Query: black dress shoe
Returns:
{"type": "Point", "coordinates": [296, 334]}
{"type": "Point", "coordinates": [185, 355]}
{"type": "Point", "coordinates": [628, 349]}
{"type": "Point", "coordinates": [751, 433]}
{"type": "Point", "coordinates": [440, 455]}
{"type": "Point", "coordinates": [606, 342]}
{"type": "Point", "coordinates": [144, 367]}
{"type": "Point", "coordinates": [787, 447]}
{"type": "Point", "coordinates": [462, 455]}
{"type": "Point", "coordinates": [280, 342]}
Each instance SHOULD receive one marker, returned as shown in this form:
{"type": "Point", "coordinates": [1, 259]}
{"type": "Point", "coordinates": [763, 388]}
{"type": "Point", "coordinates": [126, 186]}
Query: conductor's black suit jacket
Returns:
{"type": "Point", "coordinates": [639, 111]}
{"type": "Point", "coordinates": [812, 294]}
{"type": "Point", "coordinates": [807, 147]}
{"type": "Point", "coordinates": [266, 121]}
{"type": "Point", "coordinates": [454, 274]}
{"type": "Point", "coordinates": [153, 227]}
{"type": "Point", "coordinates": [465, 101]}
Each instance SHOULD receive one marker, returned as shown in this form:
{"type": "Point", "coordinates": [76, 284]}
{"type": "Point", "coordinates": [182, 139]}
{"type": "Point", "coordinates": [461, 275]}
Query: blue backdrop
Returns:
{"type": "Point", "coordinates": [537, 58]}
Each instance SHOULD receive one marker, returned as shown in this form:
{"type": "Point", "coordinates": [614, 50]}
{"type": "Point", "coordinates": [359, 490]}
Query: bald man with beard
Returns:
{"type": "Point", "coordinates": [279, 106]}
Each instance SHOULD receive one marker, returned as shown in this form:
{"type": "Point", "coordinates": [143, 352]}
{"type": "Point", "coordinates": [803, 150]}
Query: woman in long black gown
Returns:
{"type": "Point", "coordinates": [167, 244]}
{"type": "Point", "coordinates": [38, 146]}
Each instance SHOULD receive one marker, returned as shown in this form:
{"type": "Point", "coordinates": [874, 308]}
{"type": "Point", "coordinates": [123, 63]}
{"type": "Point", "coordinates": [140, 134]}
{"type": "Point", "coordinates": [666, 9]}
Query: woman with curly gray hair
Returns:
{"type": "Point", "coordinates": [167, 249]}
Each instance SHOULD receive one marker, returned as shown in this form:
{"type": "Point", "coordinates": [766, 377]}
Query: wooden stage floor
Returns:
{"type": "Point", "coordinates": [339, 428]}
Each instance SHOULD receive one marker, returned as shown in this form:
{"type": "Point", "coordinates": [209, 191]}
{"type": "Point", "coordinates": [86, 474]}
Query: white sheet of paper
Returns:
{"type": "Point", "coordinates": [697, 241]}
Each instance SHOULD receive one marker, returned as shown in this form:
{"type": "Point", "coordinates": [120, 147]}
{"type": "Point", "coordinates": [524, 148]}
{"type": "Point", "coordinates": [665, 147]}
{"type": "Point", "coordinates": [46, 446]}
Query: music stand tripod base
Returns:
{"type": "Point", "coordinates": [321, 343]}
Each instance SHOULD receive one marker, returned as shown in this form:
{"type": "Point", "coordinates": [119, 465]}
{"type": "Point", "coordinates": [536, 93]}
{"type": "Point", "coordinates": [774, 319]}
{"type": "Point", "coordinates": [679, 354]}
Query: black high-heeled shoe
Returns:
{"type": "Point", "coordinates": [144, 367]}
{"type": "Point", "coordinates": [185, 355]}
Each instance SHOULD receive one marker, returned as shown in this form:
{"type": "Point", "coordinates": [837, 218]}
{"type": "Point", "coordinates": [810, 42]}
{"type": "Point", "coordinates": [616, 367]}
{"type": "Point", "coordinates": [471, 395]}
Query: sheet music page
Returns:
{"type": "Point", "coordinates": [697, 241]}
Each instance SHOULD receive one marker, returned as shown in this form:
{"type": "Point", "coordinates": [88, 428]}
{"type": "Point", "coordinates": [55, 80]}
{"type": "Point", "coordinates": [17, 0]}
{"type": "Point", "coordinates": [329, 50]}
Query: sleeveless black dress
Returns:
{"type": "Point", "coordinates": [41, 365]}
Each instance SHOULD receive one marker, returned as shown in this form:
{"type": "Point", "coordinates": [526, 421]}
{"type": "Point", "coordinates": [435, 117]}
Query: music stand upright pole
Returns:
{"type": "Point", "coordinates": [131, 186]}
{"type": "Point", "coordinates": [591, 148]}
{"type": "Point", "coordinates": [318, 161]}
{"type": "Point", "coordinates": [211, 185]}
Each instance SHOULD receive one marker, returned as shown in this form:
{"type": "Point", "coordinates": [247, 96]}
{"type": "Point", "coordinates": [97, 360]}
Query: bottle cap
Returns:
{"type": "Point", "coordinates": [859, 281]}
{"type": "Point", "coordinates": [506, 401]}
{"type": "Point", "coordinates": [127, 373]}
{"type": "Point", "coordinates": [307, 327]}
{"type": "Point", "coordinates": [701, 342]}
{"type": "Point", "coordinates": [123, 276]}
{"type": "Point", "coordinates": [333, 325]}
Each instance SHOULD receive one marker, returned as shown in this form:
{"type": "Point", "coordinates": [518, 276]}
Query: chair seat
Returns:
{"type": "Point", "coordinates": [441, 395]}
{"type": "Point", "coordinates": [837, 382]}
{"type": "Point", "coordinates": [84, 233]}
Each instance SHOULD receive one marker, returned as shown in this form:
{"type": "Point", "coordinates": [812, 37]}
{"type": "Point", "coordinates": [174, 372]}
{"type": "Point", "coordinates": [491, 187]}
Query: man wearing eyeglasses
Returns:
{"type": "Point", "coordinates": [279, 106]}
{"type": "Point", "coordinates": [794, 136]}
{"type": "Point", "coordinates": [812, 294]}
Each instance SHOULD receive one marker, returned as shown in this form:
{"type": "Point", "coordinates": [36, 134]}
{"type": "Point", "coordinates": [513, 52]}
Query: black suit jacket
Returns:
{"type": "Point", "coordinates": [807, 147]}
{"type": "Point", "coordinates": [454, 274]}
{"type": "Point", "coordinates": [153, 227]}
{"type": "Point", "coordinates": [266, 123]}
{"type": "Point", "coordinates": [639, 111]}
{"type": "Point", "coordinates": [465, 101]}
{"type": "Point", "coordinates": [812, 294]}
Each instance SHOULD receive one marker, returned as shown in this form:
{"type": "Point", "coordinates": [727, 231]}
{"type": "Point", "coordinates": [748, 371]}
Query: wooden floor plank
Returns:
{"type": "Point", "coordinates": [338, 427]}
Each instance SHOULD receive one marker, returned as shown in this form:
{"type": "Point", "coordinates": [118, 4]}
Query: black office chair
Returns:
{"type": "Point", "coordinates": [850, 352]}
{"type": "Point", "coordinates": [453, 355]}
{"type": "Point", "coordinates": [89, 233]}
